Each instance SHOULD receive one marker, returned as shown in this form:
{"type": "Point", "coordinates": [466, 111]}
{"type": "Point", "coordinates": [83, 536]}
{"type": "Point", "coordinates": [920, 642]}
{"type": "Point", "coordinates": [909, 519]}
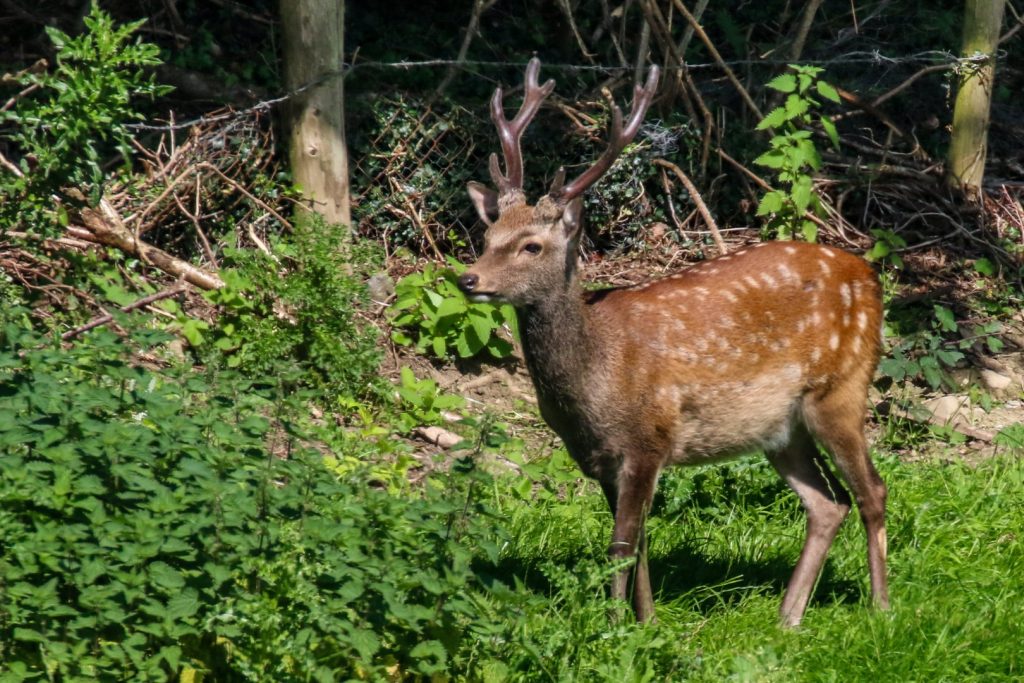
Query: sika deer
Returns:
{"type": "Point", "coordinates": [771, 348]}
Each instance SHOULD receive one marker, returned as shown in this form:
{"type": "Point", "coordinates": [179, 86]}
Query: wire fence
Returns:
{"type": "Point", "coordinates": [412, 149]}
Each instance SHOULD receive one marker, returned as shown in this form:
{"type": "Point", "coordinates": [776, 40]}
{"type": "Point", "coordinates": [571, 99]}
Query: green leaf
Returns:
{"type": "Point", "coordinates": [166, 576]}
{"type": "Point", "coordinates": [770, 203]}
{"type": "Point", "coordinates": [439, 346]}
{"type": "Point", "coordinates": [896, 368]}
{"type": "Point", "coordinates": [783, 83]}
{"type": "Point", "coordinates": [802, 191]}
{"type": "Point", "coordinates": [775, 118]}
{"type": "Point", "coordinates": [183, 604]}
{"type": "Point", "coordinates": [830, 130]}
{"type": "Point", "coordinates": [451, 306]}
{"type": "Point", "coordinates": [430, 656]}
{"type": "Point", "coordinates": [931, 370]}
{"type": "Point", "coordinates": [949, 358]}
{"type": "Point", "coordinates": [945, 317]}
{"type": "Point", "coordinates": [827, 91]}
{"type": "Point", "coordinates": [985, 267]}
{"type": "Point", "coordinates": [482, 326]}
{"type": "Point", "coordinates": [809, 229]}
{"type": "Point", "coordinates": [994, 344]}
{"type": "Point", "coordinates": [796, 106]}
{"type": "Point", "coordinates": [773, 158]}
{"type": "Point", "coordinates": [878, 250]}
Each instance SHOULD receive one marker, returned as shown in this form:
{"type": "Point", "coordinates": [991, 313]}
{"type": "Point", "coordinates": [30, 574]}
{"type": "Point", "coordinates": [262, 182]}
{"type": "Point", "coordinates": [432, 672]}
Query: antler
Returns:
{"type": "Point", "coordinates": [510, 132]}
{"type": "Point", "coordinates": [617, 141]}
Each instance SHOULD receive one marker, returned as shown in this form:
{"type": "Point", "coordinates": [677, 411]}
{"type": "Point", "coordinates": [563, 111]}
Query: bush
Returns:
{"type": "Point", "coordinates": [77, 117]}
{"type": "Point", "coordinates": [153, 523]}
{"type": "Point", "coordinates": [295, 315]}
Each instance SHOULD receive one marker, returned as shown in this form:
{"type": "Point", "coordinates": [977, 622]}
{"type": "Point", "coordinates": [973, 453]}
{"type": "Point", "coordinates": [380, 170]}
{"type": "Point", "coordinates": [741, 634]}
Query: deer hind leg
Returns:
{"type": "Point", "coordinates": [837, 420]}
{"type": "Point", "coordinates": [827, 503]}
{"type": "Point", "coordinates": [629, 498]}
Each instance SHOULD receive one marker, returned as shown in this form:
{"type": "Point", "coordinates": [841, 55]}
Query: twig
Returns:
{"type": "Point", "coordinates": [107, 317]}
{"type": "Point", "coordinates": [479, 7]}
{"type": "Point", "coordinates": [743, 169]}
{"type": "Point", "coordinates": [1020, 24]}
{"type": "Point", "coordinates": [906, 84]}
{"type": "Point", "coordinates": [51, 241]}
{"type": "Point", "coordinates": [668, 198]}
{"type": "Point", "coordinates": [10, 166]}
{"type": "Point", "coordinates": [698, 13]}
{"type": "Point", "coordinates": [699, 30]}
{"type": "Point", "coordinates": [797, 47]}
{"type": "Point", "coordinates": [699, 201]}
{"type": "Point", "coordinates": [567, 10]}
{"type": "Point", "coordinates": [230, 181]}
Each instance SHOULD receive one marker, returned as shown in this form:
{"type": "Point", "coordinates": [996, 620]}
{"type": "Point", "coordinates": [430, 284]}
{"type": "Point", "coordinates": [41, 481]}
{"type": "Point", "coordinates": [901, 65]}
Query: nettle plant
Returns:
{"type": "Point", "coordinates": [792, 154]}
{"type": "Point", "coordinates": [431, 313]}
{"type": "Point", "coordinates": [75, 117]}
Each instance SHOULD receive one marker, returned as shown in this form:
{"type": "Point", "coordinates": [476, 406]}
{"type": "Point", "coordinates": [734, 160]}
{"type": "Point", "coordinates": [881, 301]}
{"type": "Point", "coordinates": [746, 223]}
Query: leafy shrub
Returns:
{"type": "Point", "coordinates": [295, 315]}
{"type": "Point", "coordinates": [421, 401]}
{"type": "Point", "coordinates": [77, 115]}
{"type": "Point", "coordinates": [156, 523]}
{"type": "Point", "coordinates": [793, 155]}
{"type": "Point", "coordinates": [441, 320]}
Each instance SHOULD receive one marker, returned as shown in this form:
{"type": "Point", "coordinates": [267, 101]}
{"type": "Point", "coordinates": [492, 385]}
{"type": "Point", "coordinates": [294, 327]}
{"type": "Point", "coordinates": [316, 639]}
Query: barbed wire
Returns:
{"type": "Point", "coordinates": [930, 57]}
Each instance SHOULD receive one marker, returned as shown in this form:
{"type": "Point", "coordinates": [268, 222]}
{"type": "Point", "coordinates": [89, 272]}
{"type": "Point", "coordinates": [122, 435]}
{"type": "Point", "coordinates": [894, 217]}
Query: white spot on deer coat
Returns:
{"type": "Point", "coordinates": [830, 253]}
{"type": "Point", "coordinates": [833, 341]}
{"type": "Point", "coordinates": [790, 250]}
{"type": "Point", "coordinates": [844, 292]}
{"type": "Point", "coordinates": [862, 320]}
{"type": "Point", "coordinates": [825, 268]}
{"type": "Point", "coordinates": [751, 281]}
{"type": "Point", "coordinates": [787, 274]}
{"type": "Point", "coordinates": [768, 280]}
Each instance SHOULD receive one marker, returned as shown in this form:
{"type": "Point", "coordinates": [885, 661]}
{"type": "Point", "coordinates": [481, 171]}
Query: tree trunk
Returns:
{"type": "Point", "coordinates": [312, 39]}
{"type": "Point", "coordinates": [969, 142]}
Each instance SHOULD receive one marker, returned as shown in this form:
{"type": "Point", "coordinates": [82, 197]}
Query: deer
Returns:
{"type": "Point", "coordinates": [769, 348]}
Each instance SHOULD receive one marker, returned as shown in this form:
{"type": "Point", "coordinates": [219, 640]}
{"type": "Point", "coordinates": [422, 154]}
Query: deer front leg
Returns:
{"type": "Point", "coordinates": [629, 499]}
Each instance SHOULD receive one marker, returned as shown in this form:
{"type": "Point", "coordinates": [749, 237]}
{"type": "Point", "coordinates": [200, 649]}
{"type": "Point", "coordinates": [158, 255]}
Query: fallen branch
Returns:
{"type": "Point", "coordinates": [107, 227]}
{"type": "Point", "coordinates": [107, 317]}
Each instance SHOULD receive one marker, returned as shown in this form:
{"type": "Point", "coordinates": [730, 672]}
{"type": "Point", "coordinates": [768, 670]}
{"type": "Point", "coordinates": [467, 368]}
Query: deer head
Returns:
{"type": "Point", "coordinates": [530, 251]}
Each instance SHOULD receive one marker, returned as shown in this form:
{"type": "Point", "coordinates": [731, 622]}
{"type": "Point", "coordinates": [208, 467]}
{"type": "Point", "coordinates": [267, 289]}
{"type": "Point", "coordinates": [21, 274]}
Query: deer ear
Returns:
{"type": "Point", "coordinates": [485, 200]}
{"type": "Point", "coordinates": [572, 218]}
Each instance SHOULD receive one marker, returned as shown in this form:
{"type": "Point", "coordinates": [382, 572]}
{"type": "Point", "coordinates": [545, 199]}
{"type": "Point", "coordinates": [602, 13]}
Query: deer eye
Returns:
{"type": "Point", "coordinates": [532, 248]}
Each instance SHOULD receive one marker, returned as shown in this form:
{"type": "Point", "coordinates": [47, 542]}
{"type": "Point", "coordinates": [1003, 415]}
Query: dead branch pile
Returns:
{"type": "Point", "coordinates": [171, 213]}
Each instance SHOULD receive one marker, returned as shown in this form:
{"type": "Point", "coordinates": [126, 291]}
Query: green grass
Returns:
{"type": "Point", "coordinates": [723, 542]}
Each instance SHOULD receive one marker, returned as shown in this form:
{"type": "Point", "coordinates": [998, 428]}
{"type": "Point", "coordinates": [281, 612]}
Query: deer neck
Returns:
{"type": "Point", "coordinates": [556, 344]}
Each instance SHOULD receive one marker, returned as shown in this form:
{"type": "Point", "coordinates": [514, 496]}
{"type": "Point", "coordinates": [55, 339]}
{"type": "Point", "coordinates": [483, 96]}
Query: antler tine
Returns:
{"type": "Point", "coordinates": [618, 138]}
{"type": "Point", "coordinates": [509, 132]}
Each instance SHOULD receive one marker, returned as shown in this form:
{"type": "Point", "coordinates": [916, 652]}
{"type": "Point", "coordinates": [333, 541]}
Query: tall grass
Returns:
{"type": "Point", "coordinates": [723, 542]}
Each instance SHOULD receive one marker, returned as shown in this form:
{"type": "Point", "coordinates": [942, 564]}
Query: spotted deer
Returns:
{"type": "Point", "coordinates": [769, 348]}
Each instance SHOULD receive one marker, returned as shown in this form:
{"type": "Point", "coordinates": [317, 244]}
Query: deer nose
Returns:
{"type": "Point", "coordinates": [468, 282]}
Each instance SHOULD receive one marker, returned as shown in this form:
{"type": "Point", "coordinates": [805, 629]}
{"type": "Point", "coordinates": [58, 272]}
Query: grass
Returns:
{"type": "Point", "coordinates": [723, 542]}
